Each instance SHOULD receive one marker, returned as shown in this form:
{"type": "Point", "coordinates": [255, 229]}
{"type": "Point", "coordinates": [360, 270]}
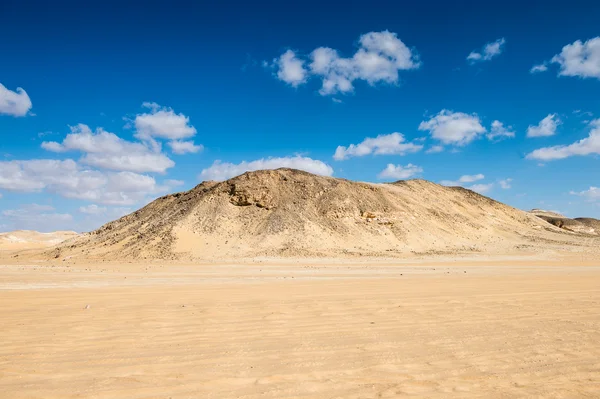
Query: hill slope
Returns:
{"type": "Point", "coordinates": [578, 225]}
{"type": "Point", "coordinates": [288, 212]}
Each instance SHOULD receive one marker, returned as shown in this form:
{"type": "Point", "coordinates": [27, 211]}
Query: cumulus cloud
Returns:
{"type": "Point", "coordinates": [580, 59]}
{"type": "Point", "coordinates": [108, 151]}
{"type": "Point", "coordinates": [384, 144]}
{"type": "Point", "coordinates": [586, 146]}
{"type": "Point", "coordinates": [463, 179]}
{"type": "Point", "coordinates": [399, 172]}
{"type": "Point", "coordinates": [92, 209]}
{"type": "Point", "coordinates": [434, 149]}
{"type": "Point", "coordinates": [224, 170]}
{"type": "Point", "coordinates": [36, 217]}
{"type": "Point", "coordinates": [505, 184]}
{"type": "Point", "coordinates": [539, 68]}
{"type": "Point", "coordinates": [455, 128]}
{"type": "Point", "coordinates": [489, 51]}
{"type": "Point", "coordinates": [379, 58]}
{"type": "Point", "coordinates": [481, 188]}
{"type": "Point", "coordinates": [67, 179]}
{"type": "Point", "coordinates": [290, 69]}
{"type": "Point", "coordinates": [592, 194]}
{"type": "Point", "coordinates": [184, 147]}
{"type": "Point", "coordinates": [15, 103]}
{"type": "Point", "coordinates": [466, 180]}
{"type": "Point", "coordinates": [499, 131]}
{"type": "Point", "coordinates": [546, 127]}
{"type": "Point", "coordinates": [162, 122]}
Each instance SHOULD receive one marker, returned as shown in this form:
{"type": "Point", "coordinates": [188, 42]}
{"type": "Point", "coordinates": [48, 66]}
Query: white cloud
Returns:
{"type": "Point", "coordinates": [546, 127]}
{"type": "Point", "coordinates": [379, 58]}
{"type": "Point", "coordinates": [291, 69]}
{"type": "Point", "coordinates": [36, 217]}
{"type": "Point", "coordinates": [471, 178]}
{"type": "Point", "coordinates": [539, 68]}
{"type": "Point", "coordinates": [384, 144]}
{"type": "Point", "coordinates": [481, 188]}
{"type": "Point", "coordinates": [489, 51]}
{"type": "Point", "coordinates": [435, 149]}
{"type": "Point", "coordinates": [162, 122]}
{"type": "Point", "coordinates": [108, 151]}
{"type": "Point", "coordinates": [586, 146]}
{"type": "Point", "coordinates": [505, 184]}
{"type": "Point", "coordinates": [454, 128]}
{"type": "Point", "coordinates": [498, 131]}
{"type": "Point", "coordinates": [67, 179]}
{"type": "Point", "coordinates": [580, 59]}
{"type": "Point", "coordinates": [44, 218]}
{"type": "Point", "coordinates": [92, 209]}
{"type": "Point", "coordinates": [14, 103]}
{"type": "Point", "coordinates": [463, 179]}
{"type": "Point", "coordinates": [223, 170]}
{"type": "Point", "coordinates": [399, 172]}
{"type": "Point", "coordinates": [184, 147]}
{"type": "Point", "coordinates": [592, 194]}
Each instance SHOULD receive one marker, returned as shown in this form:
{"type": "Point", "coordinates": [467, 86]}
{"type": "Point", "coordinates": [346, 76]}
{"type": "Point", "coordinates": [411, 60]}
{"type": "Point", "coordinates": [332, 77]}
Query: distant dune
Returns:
{"type": "Point", "coordinates": [29, 239]}
{"type": "Point", "coordinates": [292, 213]}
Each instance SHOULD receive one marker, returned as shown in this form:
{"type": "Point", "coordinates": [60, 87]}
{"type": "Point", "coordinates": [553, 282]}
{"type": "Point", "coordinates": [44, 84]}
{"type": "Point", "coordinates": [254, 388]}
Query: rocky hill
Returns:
{"type": "Point", "coordinates": [288, 212]}
{"type": "Point", "coordinates": [578, 225]}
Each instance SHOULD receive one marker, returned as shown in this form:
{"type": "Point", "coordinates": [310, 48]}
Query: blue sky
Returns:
{"type": "Point", "coordinates": [105, 106]}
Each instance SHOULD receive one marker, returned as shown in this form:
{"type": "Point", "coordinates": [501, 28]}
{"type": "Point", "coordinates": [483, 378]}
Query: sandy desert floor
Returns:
{"type": "Point", "coordinates": [298, 329]}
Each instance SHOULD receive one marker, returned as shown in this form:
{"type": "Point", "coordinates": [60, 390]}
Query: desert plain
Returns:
{"type": "Point", "coordinates": [444, 327]}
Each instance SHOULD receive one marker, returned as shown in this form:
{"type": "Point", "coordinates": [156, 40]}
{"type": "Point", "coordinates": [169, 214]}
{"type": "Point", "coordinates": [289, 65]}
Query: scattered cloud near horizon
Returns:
{"type": "Point", "coordinates": [463, 179]}
{"type": "Point", "coordinates": [488, 52]}
{"type": "Point", "coordinates": [15, 103]}
{"type": "Point", "coordinates": [220, 171]}
{"type": "Point", "coordinates": [592, 194]}
{"type": "Point", "coordinates": [379, 58]}
{"type": "Point", "coordinates": [106, 150]}
{"type": "Point", "coordinates": [384, 144]}
{"type": "Point", "coordinates": [69, 180]}
{"type": "Point", "coordinates": [586, 146]}
{"type": "Point", "coordinates": [482, 188]}
{"type": "Point", "coordinates": [37, 217]}
{"type": "Point", "coordinates": [399, 172]}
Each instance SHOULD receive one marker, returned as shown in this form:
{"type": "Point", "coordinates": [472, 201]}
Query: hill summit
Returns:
{"type": "Point", "coordinates": [288, 212]}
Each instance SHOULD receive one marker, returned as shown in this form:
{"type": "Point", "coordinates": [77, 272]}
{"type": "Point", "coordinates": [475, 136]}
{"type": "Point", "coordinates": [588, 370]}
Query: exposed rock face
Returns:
{"type": "Point", "coordinates": [578, 225]}
{"type": "Point", "coordinates": [288, 212]}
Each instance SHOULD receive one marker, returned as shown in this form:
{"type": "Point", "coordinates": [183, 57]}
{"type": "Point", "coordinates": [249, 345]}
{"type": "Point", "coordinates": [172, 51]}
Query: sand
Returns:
{"type": "Point", "coordinates": [447, 327]}
{"type": "Point", "coordinates": [29, 239]}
